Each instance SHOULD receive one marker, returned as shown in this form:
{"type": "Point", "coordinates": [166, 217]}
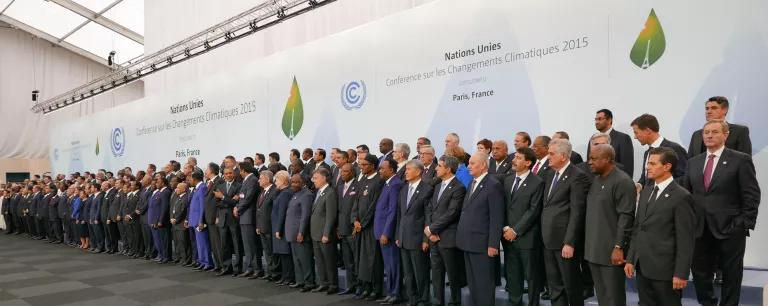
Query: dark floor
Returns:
{"type": "Point", "coordinates": [36, 273]}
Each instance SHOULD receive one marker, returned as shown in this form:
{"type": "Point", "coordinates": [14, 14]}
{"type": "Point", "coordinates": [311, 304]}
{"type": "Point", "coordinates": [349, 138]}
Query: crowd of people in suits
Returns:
{"type": "Point", "coordinates": [404, 229]}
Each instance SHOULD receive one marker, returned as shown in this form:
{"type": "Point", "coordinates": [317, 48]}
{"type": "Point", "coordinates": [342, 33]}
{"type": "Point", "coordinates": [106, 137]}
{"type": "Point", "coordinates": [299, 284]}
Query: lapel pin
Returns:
{"type": "Point", "coordinates": [725, 162]}
{"type": "Point", "coordinates": [666, 195]}
{"type": "Point", "coordinates": [602, 187]}
{"type": "Point", "coordinates": [524, 185]}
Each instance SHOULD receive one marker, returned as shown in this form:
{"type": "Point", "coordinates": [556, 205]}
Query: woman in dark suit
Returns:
{"type": "Point", "coordinates": [280, 246]}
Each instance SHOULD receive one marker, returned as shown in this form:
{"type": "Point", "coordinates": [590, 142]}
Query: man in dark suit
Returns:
{"type": "Point", "coordinates": [346, 190]}
{"type": "Point", "coordinates": [132, 223]}
{"type": "Point", "coordinates": [646, 129]}
{"type": "Point", "coordinates": [725, 189]}
{"type": "Point", "coordinates": [522, 229]}
{"type": "Point", "coordinates": [370, 267]}
{"type": "Point", "coordinates": [15, 211]}
{"type": "Point", "coordinates": [264, 223]}
{"type": "Point", "coordinates": [427, 156]}
{"type": "Point", "coordinates": [112, 199]}
{"type": "Point", "coordinates": [412, 203]}
{"type": "Point", "coordinates": [54, 222]}
{"type": "Point", "coordinates": [442, 219]}
{"type": "Point", "coordinates": [609, 219]}
{"type": "Point", "coordinates": [210, 214]}
{"type": "Point", "coordinates": [384, 229]}
{"type": "Point", "coordinates": [501, 161]}
{"type": "Point", "coordinates": [663, 234]}
{"type": "Point", "coordinates": [307, 158]}
{"type": "Point", "coordinates": [227, 196]}
{"type": "Point", "coordinates": [540, 146]}
{"type": "Point", "coordinates": [479, 230]}
{"type": "Point", "coordinates": [621, 143]}
{"type": "Point", "coordinates": [342, 158]}
{"type": "Point", "coordinates": [43, 204]}
{"type": "Point", "coordinates": [386, 148]}
{"type": "Point", "coordinates": [716, 108]}
{"type": "Point", "coordinates": [297, 219]}
{"type": "Point", "coordinates": [575, 157]}
{"type": "Point", "coordinates": [244, 212]}
{"type": "Point", "coordinates": [323, 232]}
{"type": "Point", "coordinates": [142, 212]}
{"type": "Point", "coordinates": [180, 225]}
{"type": "Point", "coordinates": [319, 162]}
{"type": "Point", "coordinates": [400, 154]}
{"type": "Point", "coordinates": [5, 202]}
{"type": "Point", "coordinates": [158, 217]}
{"type": "Point", "coordinates": [97, 204]}
{"type": "Point", "coordinates": [562, 224]}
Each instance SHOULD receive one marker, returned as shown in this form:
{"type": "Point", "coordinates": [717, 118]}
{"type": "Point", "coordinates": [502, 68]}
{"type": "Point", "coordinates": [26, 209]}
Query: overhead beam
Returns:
{"type": "Point", "coordinates": [100, 19]}
{"type": "Point", "coordinates": [52, 39]}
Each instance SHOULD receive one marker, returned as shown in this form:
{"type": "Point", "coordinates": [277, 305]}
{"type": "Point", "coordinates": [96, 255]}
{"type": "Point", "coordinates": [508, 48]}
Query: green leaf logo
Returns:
{"type": "Point", "coordinates": [650, 44]}
{"type": "Point", "coordinates": [293, 116]}
{"type": "Point", "coordinates": [97, 145]}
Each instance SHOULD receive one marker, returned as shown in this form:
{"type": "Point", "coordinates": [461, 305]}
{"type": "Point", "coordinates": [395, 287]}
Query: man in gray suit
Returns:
{"type": "Point", "coordinates": [523, 194]}
{"type": "Point", "coordinates": [442, 219]}
{"type": "Point", "coordinates": [323, 232]}
{"type": "Point", "coordinates": [180, 225]}
{"type": "Point", "coordinates": [244, 212]}
{"type": "Point", "coordinates": [608, 226]}
{"type": "Point", "coordinates": [663, 234]}
{"type": "Point", "coordinates": [264, 223]}
{"type": "Point", "coordinates": [227, 196]}
{"type": "Point", "coordinates": [562, 224]}
{"type": "Point", "coordinates": [297, 233]}
{"type": "Point", "coordinates": [412, 201]}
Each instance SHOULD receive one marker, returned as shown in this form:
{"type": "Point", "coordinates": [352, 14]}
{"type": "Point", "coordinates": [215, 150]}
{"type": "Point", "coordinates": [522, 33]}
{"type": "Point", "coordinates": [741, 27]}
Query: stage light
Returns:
{"type": "Point", "coordinates": [111, 58]}
{"type": "Point", "coordinates": [34, 95]}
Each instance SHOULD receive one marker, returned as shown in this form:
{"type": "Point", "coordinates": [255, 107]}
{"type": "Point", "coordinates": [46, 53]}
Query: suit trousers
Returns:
{"type": "Point", "coordinates": [181, 246]}
{"type": "Point", "coordinates": [248, 233]}
{"type": "Point", "coordinates": [481, 278]}
{"type": "Point", "coordinates": [9, 226]}
{"type": "Point", "coordinates": [416, 275]}
{"type": "Point", "coordinates": [390, 254]}
{"type": "Point", "coordinates": [113, 235]}
{"type": "Point", "coordinates": [726, 254]}
{"type": "Point", "coordinates": [273, 262]}
{"type": "Point", "coordinates": [447, 260]}
{"type": "Point", "coordinates": [203, 248]}
{"type": "Point", "coordinates": [521, 266]}
{"type": "Point", "coordinates": [162, 245]}
{"type": "Point", "coordinates": [656, 292]}
{"type": "Point", "coordinates": [609, 284]}
{"type": "Point", "coordinates": [97, 239]}
{"type": "Point", "coordinates": [149, 244]}
{"type": "Point", "coordinates": [348, 254]}
{"type": "Point", "coordinates": [325, 260]}
{"type": "Point", "coordinates": [288, 274]}
{"type": "Point", "coordinates": [214, 239]}
{"type": "Point", "coordinates": [42, 228]}
{"type": "Point", "coordinates": [55, 226]}
{"type": "Point", "coordinates": [564, 278]}
{"type": "Point", "coordinates": [303, 263]}
{"type": "Point", "coordinates": [230, 245]}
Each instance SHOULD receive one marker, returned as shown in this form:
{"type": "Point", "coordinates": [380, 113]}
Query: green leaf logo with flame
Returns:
{"type": "Point", "coordinates": [650, 44]}
{"type": "Point", "coordinates": [293, 116]}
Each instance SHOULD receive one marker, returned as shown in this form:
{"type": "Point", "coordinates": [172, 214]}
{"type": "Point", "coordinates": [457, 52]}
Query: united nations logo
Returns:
{"type": "Point", "coordinates": [353, 95]}
{"type": "Point", "coordinates": [118, 142]}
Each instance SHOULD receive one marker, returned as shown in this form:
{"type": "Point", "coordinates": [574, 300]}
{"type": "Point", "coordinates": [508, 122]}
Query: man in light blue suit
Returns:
{"type": "Point", "coordinates": [196, 222]}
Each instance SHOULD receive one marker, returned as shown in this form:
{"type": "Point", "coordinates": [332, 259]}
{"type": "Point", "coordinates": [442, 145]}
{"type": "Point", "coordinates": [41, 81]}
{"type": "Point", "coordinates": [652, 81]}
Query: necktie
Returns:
{"type": "Point", "coordinates": [442, 188]}
{"type": "Point", "coordinates": [472, 187]}
{"type": "Point", "coordinates": [228, 184]}
{"type": "Point", "coordinates": [317, 196]}
{"type": "Point", "coordinates": [554, 182]}
{"type": "Point", "coordinates": [708, 171]}
{"type": "Point", "coordinates": [346, 186]}
{"type": "Point", "coordinates": [261, 197]}
{"type": "Point", "coordinates": [536, 167]}
{"type": "Point", "coordinates": [652, 199]}
{"type": "Point", "coordinates": [410, 195]}
{"type": "Point", "coordinates": [514, 187]}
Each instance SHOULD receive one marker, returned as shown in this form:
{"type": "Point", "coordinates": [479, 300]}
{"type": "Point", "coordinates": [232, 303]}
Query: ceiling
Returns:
{"type": "Point", "coordinates": [92, 28]}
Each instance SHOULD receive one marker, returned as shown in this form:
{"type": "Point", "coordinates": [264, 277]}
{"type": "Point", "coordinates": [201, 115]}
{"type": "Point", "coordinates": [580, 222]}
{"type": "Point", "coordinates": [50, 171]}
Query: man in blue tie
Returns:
{"type": "Point", "coordinates": [384, 229]}
{"type": "Point", "coordinates": [196, 221]}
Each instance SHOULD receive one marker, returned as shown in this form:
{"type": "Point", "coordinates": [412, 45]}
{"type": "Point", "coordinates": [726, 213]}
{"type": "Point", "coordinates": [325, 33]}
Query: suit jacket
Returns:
{"type": "Point", "coordinates": [430, 174]}
{"type": "Point", "coordinates": [6, 203]}
{"type": "Point", "coordinates": [682, 161]}
{"type": "Point", "coordinates": [225, 205]}
{"type": "Point", "coordinates": [346, 201]}
{"type": "Point", "coordinates": [610, 216]}
{"type": "Point", "coordinates": [64, 207]}
{"type": "Point", "coordinates": [562, 219]}
{"type": "Point", "coordinates": [197, 206]}
{"type": "Point", "coordinates": [738, 139]}
{"type": "Point", "coordinates": [279, 210]}
{"type": "Point", "coordinates": [43, 205]}
{"type": "Point", "coordinates": [543, 169]}
{"type": "Point", "coordinates": [386, 209]}
{"type": "Point", "coordinates": [15, 203]}
{"type": "Point", "coordinates": [663, 235]}
{"type": "Point", "coordinates": [625, 153]}
{"type": "Point", "coordinates": [443, 211]}
{"type": "Point", "coordinates": [249, 193]}
{"type": "Point", "coordinates": [131, 204]}
{"type": "Point", "coordinates": [114, 206]}
{"type": "Point", "coordinates": [210, 212]}
{"type": "Point", "coordinates": [143, 206]}
{"type": "Point", "coordinates": [576, 158]}
{"type": "Point", "coordinates": [482, 217]}
{"type": "Point", "coordinates": [107, 211]}
{"type": "Point", "coordinates": [97, 204]}
{"type": "Point", "coordinates": [411, 216]}
{"type": "Point", "coordinates": [276, 167]}
{"type": "Point", "coordinates": [264, 210]}
{"type": "Point", "coordinates": [368, 193]}
{"type": "Point", "coordinates": [523, 210]}
{"type": "Point", "coordinates": [729, 207]}
{"type": "Point", "coordinates": [504, 168]}
{"type": "Point", "coordinates": [159, 207]}
{"type": "Point", "coordinates": [180, 210]}
{"type": "Point", "coordinates": [324, 214]}
{"type": "Point", "coordinates": [297, 215]}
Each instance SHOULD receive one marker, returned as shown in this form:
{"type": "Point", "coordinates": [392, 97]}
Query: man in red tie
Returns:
{"type": "Point", "coordinates": [726, 194]}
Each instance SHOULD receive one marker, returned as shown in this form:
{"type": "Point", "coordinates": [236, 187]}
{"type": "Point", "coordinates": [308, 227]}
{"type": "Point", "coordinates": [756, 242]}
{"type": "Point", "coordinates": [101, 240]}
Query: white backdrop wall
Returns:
{"type": "Point", "coordinates": [549, 66]}
{"type": "Point", "coordinates": [28, 63]}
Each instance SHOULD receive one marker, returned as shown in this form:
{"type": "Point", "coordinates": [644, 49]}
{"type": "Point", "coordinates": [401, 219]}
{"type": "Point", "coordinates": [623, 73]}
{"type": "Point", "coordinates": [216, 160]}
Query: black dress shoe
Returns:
{"type": "Point", "coordinates": [384, 300]}
{"type": "Point", "coordinates": [347, 291]}
{"type": "Point", "coordinates": [208, 269]}
{"type": "Point", "coordinates": [245, 274]}
{"type": "Point", "coordinates": [373, 297]}
{"type": "Point", "coordinates": [199, 268]}
{"type": "Point", "coordinates": [254, 277]}
{"type": "Point", "coordinates": [320, 289]}
{"type": "Point", "coordinates": [588, 293]}
{"type": "Point", "coordinates": [224, 272]}
{"type": "Point", "coordinates": [392, 301]}
{"type": "Point", "coordinates": [259, 274]}
{"type": "Point", "coordinates": [296, 286]}
{"type": "Point", "coordinates": [287, 284]}
{"type": "Point", "coordinates": [332, 291]}
{"type": "Point", "coordinates": [545, 295]}
{"type": "Point", "coordinates": [307, 289]}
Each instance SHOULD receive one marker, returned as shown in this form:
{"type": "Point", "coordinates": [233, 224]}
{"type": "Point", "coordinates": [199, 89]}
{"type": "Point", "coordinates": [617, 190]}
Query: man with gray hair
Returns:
{"type": "Point", "coordinates": [412, 201]}
{"type": "Point", "coordinates": [451, 141]}
{"type": "Point", "coordinates": [608, 226]}
{"type": "Point", "coordinates": [562, 224]}
{"type": "Point", "coordinates": [427, 157]}
{"type": "Point", "coordinates": [400, 155]}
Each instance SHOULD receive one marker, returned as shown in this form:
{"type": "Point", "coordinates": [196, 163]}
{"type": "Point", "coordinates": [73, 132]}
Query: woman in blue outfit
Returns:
{"type": "Point", "coordinates": [280, 246]}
